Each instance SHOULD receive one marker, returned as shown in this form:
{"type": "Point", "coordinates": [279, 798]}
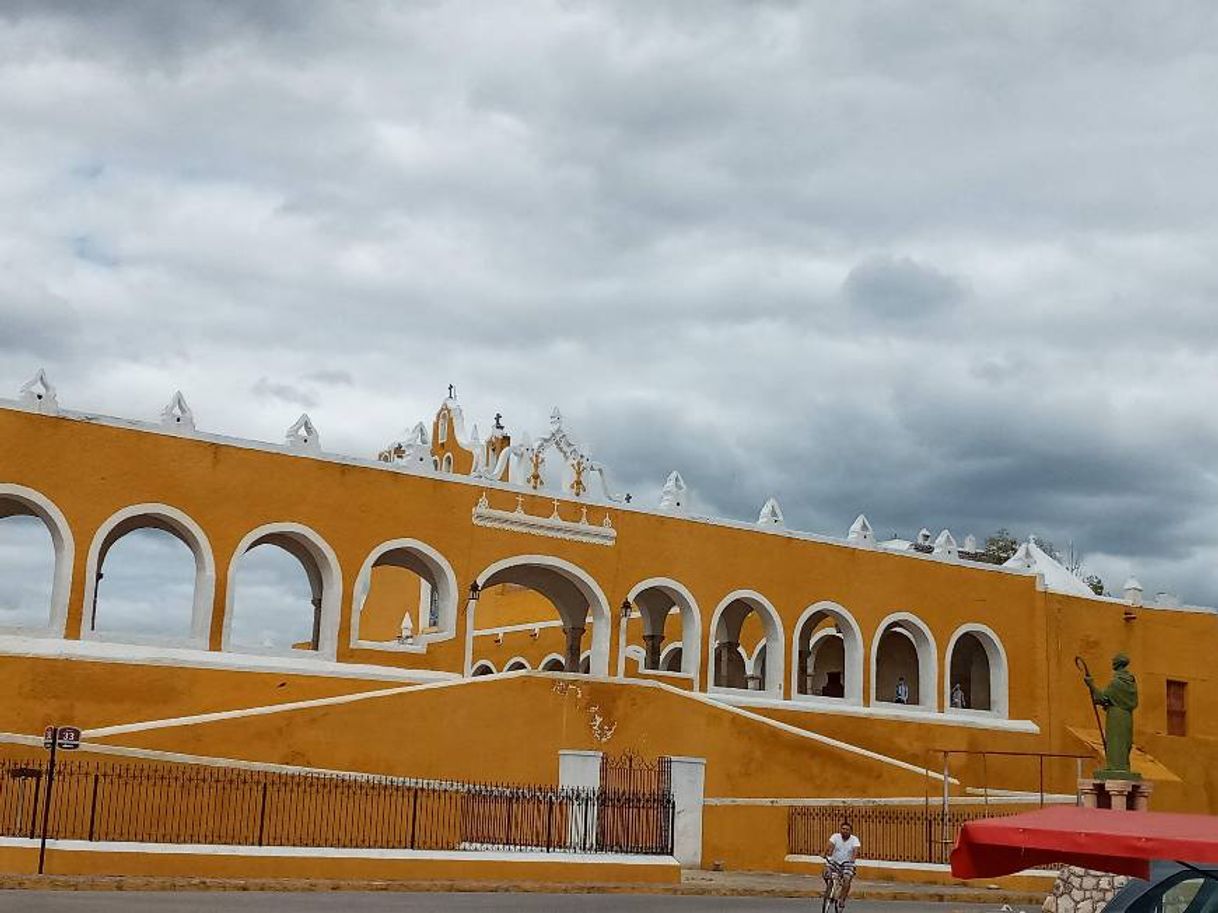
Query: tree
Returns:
{"type": "Point", "coordinates": [1096, 584]}
{"type": "Point", "coordinates": [1000, 547]}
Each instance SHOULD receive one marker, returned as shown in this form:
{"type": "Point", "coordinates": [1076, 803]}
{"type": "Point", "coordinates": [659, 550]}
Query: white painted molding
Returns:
{"type": "Point", "coordinates": [775, 671]}
{"type": "Point", "coordinates": [325, 563]}
{"type": "Point", "coordinates": [553, 526]}
{"type": "Point", "coordinates": [691, 619]}
{"type": "Point", "coordinates": [916, 630]}
{"type": "Point", "coordinates": [38, 394]}
{"type": "Point", "coordinates": [996, 655]}
{"type": "Point", "coordinates": [519, 663]}
{"type": "Point", "coordinates": [185, 529]}
{"type": "Point", "coordinates": [64, 545]}
{"type": "Point", "coordinates": [854, 649]}
{"type": "Point", "coordinates": [440, 576]}
{"type": "Point", "coordinates": [598, 604]}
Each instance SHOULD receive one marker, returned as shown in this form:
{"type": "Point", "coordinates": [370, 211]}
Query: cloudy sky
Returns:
{"type": "Point", "coordinates": [950, 264]}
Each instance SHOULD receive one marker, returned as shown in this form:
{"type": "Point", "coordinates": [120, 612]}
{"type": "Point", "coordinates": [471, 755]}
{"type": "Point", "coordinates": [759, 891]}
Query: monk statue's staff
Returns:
{"type": "Point", "coordinates": [1082, 667]}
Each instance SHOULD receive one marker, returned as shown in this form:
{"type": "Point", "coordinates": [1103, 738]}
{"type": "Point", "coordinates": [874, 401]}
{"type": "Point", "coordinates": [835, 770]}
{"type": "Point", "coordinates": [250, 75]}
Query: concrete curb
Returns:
{"type": "Point", "coordinates": [874, 891]}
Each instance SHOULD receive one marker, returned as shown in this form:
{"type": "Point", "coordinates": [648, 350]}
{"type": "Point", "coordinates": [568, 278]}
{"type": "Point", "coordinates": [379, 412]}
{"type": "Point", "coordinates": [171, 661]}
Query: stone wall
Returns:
{"type": "Point", "coordinates": [1082, 890]}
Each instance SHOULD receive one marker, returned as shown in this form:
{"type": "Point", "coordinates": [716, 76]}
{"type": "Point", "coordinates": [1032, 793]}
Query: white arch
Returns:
{"type": "Point", "coordinates": [999, 672]}
{"type": "Point", "coordinates": [326, 565]}
{"type": "Point", "coordinates": [755, 658]}
{"type": "Point", "coordinates": [443, 579]}
{"type": "Point", "coordinates": [549, 658]}
{"type": "Point", "coordinates": [171, 520]}
{"type": "Point", "coordinates": [573, 574]}
{"type": "Point", "coordinates": [853, 649]}
{"type": "Point", "coordinates": [691, 622]}
{"type": "Point", "coordinates": [64, 544]}
{"type": "Point", "coordinates": [447, 465]}
{"type": "Point", "coordinates": [586, 657]}
{"type": "Point", "coordinates": [928, 657]}
{"type": "Point", "coordinates": [775, 670]}
{"type": "Point", "coordinates": [483, 664]}
{"type": "Point", "coordinates": [667, 652]}
{"type": "Point", "coordinates": [524, 663]}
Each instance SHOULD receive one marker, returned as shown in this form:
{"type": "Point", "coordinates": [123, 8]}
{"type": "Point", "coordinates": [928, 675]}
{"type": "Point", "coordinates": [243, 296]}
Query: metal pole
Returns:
{"type": "Point", "coordinates": [946, 803]}
{"type": "Point", "coordinates": [46, 802]}
{"type": "Point", "coordinates": [1041, 758]}
{"type": "Point", "coordinates": [262, 816]}
{"type": "Point", "coordinates": [93, 808]}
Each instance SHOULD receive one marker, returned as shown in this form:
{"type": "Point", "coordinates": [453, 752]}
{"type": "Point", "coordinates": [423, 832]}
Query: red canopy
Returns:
{"type": "Point", "coordinates": [1094, 838]}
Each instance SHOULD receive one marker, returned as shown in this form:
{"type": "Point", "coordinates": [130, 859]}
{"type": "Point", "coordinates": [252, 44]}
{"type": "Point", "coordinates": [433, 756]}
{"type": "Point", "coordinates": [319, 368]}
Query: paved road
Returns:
{"type": "Point", "coordinates": [333, 902]}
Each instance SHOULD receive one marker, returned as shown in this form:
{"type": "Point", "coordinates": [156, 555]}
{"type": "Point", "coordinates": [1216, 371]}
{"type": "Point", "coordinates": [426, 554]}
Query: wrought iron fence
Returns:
{"type": "Point", "coordinates": [893, 833]}
{"type": "Point", "coordinates": [180, 804]}
{"type": "Point", "coordinates": [619, 823]}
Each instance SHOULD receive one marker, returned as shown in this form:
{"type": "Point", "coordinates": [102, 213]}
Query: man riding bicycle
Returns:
{"type": "Point", "coordinates": [840, 856]}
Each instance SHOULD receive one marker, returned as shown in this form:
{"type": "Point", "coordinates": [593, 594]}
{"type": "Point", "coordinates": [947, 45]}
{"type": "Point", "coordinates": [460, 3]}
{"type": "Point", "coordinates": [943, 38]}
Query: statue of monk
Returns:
{"type": "Point", "coordinates": [1119, 700]}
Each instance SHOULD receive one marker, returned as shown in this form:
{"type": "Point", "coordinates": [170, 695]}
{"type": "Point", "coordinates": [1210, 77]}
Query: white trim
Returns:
{"type": "Point", "coordinates": [183, 657]}
{"type": "Point", "coordinates": [552, 526]}
{"type": "Point", "coordinates": [444, 581]}
{"type": "Point", "coordinates": [883, 710]}
{"type": "Point", "coordinates": [191, 534]}
{"type": "Point", "coordinates": [327, 567]}
{"type": "Point", "coordinates": [897, 801]}
{"type": "Point", "coordinates": [315, 852]}
{"type": "Point", "coordinates": [691, 622]}
{"type": "Point", "coordinates": [775, 672]}
{"type": "Point", "coordinates": [995, 654]}
{"type": "Point", "coordinates": [928, 659]}
{"type": "Point", "coordinates": [481, 664]}
{"type": "Point", "coordinates": [562, 662]}
{"type": "Point", "coordinates": [65, 554]}
{"type": "Point", "coordinates": [507, 667]}
{"type": "Point", "coordinates": [852, 654]}
{"type": "Point", "coordinates": [512, 629]}
{"type": "Point", "coordinates": [598, 605]}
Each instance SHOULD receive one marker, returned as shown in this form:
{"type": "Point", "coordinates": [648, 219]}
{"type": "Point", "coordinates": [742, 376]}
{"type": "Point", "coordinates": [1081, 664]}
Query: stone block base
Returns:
{"type": "Point", "coordinates": [1082, 891]}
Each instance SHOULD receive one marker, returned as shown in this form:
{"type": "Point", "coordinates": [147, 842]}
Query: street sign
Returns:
{"type": "Point", "coordinates": [69, 738]}
{"type": "Point", "coordinates": [48, 737]}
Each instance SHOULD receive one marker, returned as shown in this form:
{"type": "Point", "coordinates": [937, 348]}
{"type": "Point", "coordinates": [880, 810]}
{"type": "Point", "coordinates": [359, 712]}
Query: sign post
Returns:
{"type": "Point", "coordinates": [54, 738]}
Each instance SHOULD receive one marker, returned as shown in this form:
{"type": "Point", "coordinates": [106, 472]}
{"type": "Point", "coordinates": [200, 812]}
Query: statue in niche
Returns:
{"type": "Point", "coordinates": [1119, 701]}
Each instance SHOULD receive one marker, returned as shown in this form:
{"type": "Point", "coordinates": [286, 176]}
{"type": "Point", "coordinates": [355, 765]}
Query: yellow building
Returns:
{"type": "Point", "coordinates": [801, 667]}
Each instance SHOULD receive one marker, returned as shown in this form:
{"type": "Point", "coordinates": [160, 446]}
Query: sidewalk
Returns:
{"type": "Point", "coordinates": [694, 883]}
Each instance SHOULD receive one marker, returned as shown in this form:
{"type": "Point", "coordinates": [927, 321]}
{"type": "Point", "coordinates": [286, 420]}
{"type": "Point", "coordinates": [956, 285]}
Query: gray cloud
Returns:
{"type": "Point", "coordinates": [704, 229]}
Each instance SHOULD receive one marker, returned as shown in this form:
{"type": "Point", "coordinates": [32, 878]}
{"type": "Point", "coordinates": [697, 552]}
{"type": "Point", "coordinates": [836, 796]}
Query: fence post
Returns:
{"type": "Point", "coordinates": [549, 822]}
{"type": "Point", "coordinates": [688, 788]}
{"type": "Point", "coordinates": [93, 808]}
{"type": "Point", "coordinates": [580, 771]}
{"type": "Point", "coordinates": [414, 812]}
{"type": "Point", "coordinates": [262, 816]}
{"type": "Point", "coordinates": [46, 804]}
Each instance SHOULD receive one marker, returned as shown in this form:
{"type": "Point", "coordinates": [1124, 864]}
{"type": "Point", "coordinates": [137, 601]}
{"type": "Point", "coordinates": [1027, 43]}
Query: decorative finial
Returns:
{"type": "Point", "coordinates": [771, 514]}
{"type": "Point", "coordinates": [861, 533]}
{"type": "Point", "coordinates": [945, 547]}
{"type": "Point", "coordinates": [39, 394]}
{"type": "Point", "coordinates": [452, 392]}
{"type": "Point", "coordinates": [499, 421]}
{"type": "Point", "coordinates": [177, 414]}
{"type": "Point", "coordinates": [672, 495]}
{"type": "Point", "coordinates": [303, 435]}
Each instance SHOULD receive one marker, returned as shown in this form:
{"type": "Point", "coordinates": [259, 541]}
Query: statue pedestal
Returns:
{"type": "Point", "coordinates": [1120, 795]}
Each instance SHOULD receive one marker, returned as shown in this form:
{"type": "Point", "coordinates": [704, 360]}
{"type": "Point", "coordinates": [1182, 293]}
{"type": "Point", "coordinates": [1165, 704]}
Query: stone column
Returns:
{"type": "Point", "coordinates": [803, 678]}
{"type": "Point", "coordinates": [1118, 792]}
{"type": "Point", "coordinates": [1140, 797]}
{"type": "Point", "coordinates": [575, 640]}
{"type": "Point", "coordinates": [1088, 791]}
{"type": "Point", "coordinates": [317, 623]}
{"type": "Point", "coordinates": [654, 644]}
{"type": "Point", "coordinates": [688, 793]}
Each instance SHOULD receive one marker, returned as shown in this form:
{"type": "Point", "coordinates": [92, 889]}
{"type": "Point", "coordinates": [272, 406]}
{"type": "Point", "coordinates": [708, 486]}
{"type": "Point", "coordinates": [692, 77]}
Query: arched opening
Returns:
{"type": "Point", "coordinates": [518, 664]}
{"type": "Point", "coordinates": [671, 660]}
{"type": "Point", "coordinates": [665, 613]}
{"type": "Point", "coordinates": [283, 593]}
{"type": "Point", "coordinates": [977, 671]}
{"type": "Point", "coordinates": [552, 663]}
{"type": "Point", "coordinates": [828, 651]}
{"type": "Point", "coordinates": [36, 553]}
{"type": "Point", "coordinates": [405, 596]}
{"type": "Point", "coordinates": [585, 663]}
{"type": "Point", "coordinates": [903, 664]}
{"type": "Point", "coordinates": [572, 594]}
{"type": "Point", "coordinates": [483, 667]}
{"type": "Point", "coordinates": [150, 578]}
{"type": "Point", "coordinates": [756, 667]}
{"type": "Point", "coordinates": [741, 616]}
{"type": "Point", "coordinates": [447, 465]}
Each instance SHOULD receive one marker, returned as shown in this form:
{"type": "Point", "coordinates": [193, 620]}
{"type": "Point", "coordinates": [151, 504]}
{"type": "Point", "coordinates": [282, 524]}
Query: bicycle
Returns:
{"type": "Point", "coordinates": [833, 900]}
